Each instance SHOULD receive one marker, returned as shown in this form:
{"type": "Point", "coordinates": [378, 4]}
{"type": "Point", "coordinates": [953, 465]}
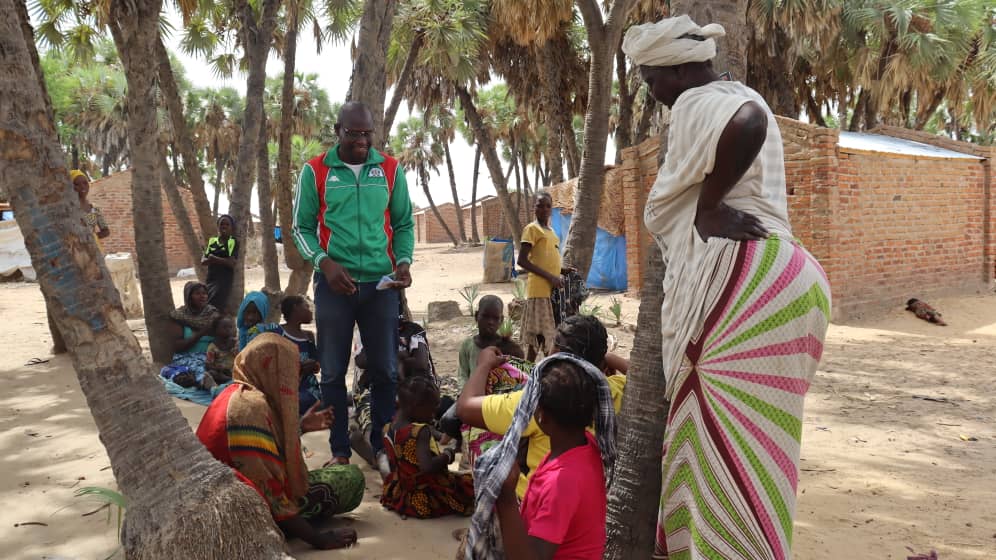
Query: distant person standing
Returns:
{"type": "Point", "coordinates": [92, 218]}
{"type": "Point", "coordinates": [540, 256]}
{"type": "Point", "coordinates": [353, 221]}
{"type": "Point", "coordinates": [220, 256]}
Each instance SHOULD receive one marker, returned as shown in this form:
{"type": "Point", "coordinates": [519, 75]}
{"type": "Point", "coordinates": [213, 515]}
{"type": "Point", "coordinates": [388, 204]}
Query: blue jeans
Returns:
{"type": "Point", "coordinates": [376, 313]}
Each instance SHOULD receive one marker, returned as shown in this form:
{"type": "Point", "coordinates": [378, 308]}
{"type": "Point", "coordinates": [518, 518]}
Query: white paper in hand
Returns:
{"type": "Point", "coordinates": [386, 283]}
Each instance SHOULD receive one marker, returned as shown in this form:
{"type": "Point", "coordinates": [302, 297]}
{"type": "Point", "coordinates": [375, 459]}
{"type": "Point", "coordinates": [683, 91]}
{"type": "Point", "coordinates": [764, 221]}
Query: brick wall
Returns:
{"type": "Point", "coordinates": [428, 228]}
{"type": "Point", "coordinates": [112, 194]}
{"type": "Point", "coordinates": [491, 217]}
{"type": "Point", "coordinates": [885, 226]}
{"type": "Point", "coordinates": [904, 227]}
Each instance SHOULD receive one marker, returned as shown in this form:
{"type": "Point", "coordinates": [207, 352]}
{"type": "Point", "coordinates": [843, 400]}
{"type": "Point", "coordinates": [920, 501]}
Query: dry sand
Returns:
{"type": "Point", "coordinates": [882, 469]}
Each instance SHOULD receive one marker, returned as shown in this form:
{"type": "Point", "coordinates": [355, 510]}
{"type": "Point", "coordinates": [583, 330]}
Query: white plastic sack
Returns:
{"type": "Point", "coordinates": [121, 266]}
{"type": "Point", "coordinates": [13, 254]}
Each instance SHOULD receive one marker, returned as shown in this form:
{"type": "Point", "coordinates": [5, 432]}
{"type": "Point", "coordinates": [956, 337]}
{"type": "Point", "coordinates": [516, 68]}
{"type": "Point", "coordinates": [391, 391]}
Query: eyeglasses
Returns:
{"type": "Point", "coordinates": [356, 134]}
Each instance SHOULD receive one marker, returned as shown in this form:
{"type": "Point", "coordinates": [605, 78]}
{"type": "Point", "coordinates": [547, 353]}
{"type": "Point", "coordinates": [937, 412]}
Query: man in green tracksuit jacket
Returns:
{"type": "Point", "coordinates": [353, 221]}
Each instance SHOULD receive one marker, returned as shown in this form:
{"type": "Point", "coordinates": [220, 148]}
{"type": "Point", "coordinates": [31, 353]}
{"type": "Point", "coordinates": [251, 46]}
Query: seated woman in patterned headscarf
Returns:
{"type": "Point", "coordinates": [254, 427]}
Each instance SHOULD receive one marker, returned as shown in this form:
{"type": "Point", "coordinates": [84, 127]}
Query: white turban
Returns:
{"type": "Point", "coordinates": [662, 43]}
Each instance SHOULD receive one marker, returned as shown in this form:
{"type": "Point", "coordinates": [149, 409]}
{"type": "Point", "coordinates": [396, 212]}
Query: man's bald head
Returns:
{"type": "Point", "coordinates": [355, 113]}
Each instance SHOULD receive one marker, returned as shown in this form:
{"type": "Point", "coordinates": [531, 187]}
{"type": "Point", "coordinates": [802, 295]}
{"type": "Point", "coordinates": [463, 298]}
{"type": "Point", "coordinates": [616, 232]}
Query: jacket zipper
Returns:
{"type": "Point", "coordinates": [359, 233]}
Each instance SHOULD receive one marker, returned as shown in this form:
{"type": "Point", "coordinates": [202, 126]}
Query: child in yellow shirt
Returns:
{"type": "Point", "coordinates": [540, 256]}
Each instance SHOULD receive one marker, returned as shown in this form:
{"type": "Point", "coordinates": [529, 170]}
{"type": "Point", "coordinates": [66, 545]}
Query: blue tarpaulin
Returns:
{"type": "Point", "coordinates": [608, 264]}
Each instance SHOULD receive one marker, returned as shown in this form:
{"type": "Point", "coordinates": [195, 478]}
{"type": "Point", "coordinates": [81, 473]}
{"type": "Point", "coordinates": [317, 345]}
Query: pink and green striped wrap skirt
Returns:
{"type": "Point", "coordinates": [731, 451]}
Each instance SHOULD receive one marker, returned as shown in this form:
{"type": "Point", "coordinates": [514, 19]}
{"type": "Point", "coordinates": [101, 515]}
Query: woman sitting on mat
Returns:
{"type": "Point", "coordinates": [253, 426]}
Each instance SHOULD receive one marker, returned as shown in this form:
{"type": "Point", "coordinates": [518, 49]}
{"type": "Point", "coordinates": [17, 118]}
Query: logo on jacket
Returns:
{"type": "Point", "coordinates": [376, 172]}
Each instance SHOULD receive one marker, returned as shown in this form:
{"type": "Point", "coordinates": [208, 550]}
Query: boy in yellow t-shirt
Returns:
{"type": "Point", "coordinates": [540, 256]}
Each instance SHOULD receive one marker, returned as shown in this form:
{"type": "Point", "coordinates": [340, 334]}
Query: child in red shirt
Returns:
{"type": "Point", "coordinates": [563, 512]}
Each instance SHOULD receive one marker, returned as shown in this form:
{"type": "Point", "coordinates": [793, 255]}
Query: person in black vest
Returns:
{"type": "Point", "coordinates": [220, 257]}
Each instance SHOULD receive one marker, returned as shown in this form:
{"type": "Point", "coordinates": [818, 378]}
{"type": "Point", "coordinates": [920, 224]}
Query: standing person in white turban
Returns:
{"type": "Point", "coordinates": [745, 311]}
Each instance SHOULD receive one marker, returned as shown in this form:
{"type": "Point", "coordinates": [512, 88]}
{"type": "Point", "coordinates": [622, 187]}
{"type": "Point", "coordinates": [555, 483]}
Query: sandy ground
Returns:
{"type": "Point", "coordinates": [883, 469]}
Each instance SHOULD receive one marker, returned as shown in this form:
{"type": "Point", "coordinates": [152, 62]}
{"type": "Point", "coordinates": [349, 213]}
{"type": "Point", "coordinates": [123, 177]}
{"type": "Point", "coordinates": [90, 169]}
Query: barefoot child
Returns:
{"type": "Point", "coordinates": [220, 356]}
{"type": "Point", "coordinates": [420, 483]}
{"type": "Point", "coordinates": [296, 312]}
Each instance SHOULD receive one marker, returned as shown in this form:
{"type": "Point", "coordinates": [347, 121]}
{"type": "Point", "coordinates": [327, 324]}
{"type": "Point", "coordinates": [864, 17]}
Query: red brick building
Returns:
{"type": "Point", "coordinates": [112, 194]}
{"type": "Point", "coordinates": [890, 215]}
{"type": "Point", "coordinates": [490, 219]}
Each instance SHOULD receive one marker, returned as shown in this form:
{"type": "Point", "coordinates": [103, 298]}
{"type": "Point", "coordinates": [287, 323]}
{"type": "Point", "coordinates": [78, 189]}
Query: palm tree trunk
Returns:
{"type": "Point", "coordinates": [300, 269]}
{"type": "Point", "coordinates": [642, 131]}
{"type": "Point", "coordinates": [195, 176]}
{"type": "Point", "coordinates": [624, 130]}
{"type": "Point", "coordinates": [525, 173]}
{"type": "Point", "coordinates": [435, 211]}
{"type": "Point", "coordinates": [571, 141]}
{"type": "Point", "coordinates": [136, 44]}
{"type": "Point", "coordinates": [76, 157]}
{"type": "Point", "coordinates": [255, 37]}
{"type": "Point", "coordinates": [219, 169]}
{"type": "Point", "coordinates": [552, 101]}
{"type": "Point", "coordinates": [453, 190]}
{"type": "Point", "coordinates": [859, 110]}
{"type": "Point", "coordinates": [368, 82]}
{"type": "Point", "coordinates": [603, 39]}
{"type": "Point", "coordinates": [143, 432]}
{"type": "Point", "coordinates": [474, 234]}
{"type": "Point", "coordinates": [514, 167]}
{"type": "Point", "coordinates": [633, 500]}
{"type": "Point", "coordinates": [402, 85]}
{"type": "Point", "coordinates": [555, 158]}
{"type": "Point", "coordinates": [271, 266]}
{"type": "Point", "coordinates": [924, 113]}
{"type": "Point", "coordinates": [815, 113]}
{"type": "Point", "coordinates": [28, 35]}
{"type": "Point", "coordinates": [190, 240]}
{"type": "Point", "coordinates": [491, 159]}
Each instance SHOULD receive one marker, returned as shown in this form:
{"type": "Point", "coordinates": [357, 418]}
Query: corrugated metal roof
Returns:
{"type": "Point", "coordinates": [869, 142]}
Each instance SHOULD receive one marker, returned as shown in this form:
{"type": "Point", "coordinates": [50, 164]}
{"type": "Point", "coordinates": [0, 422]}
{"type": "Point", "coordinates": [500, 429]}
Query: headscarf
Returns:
{"type": "Point", "coordinates": [669, 43]}
{"type": "Point", "coordinates": [262, 304]}
{"type": "Point", "coordinates": [492, 468]}
{"type": "Point", "coordinates": [75, 174]}
{"type": "Point", "coordinates": [185, 314]}
{"type": "Point", "coordinates": [267, 373]}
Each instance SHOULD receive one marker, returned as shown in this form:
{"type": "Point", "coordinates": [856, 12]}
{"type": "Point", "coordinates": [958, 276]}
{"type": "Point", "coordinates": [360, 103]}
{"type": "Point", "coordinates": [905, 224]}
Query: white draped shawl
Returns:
{"type": "Point", "coordinates": [698, 270]}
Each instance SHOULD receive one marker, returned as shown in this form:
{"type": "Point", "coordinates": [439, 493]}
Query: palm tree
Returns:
{"type": "Point", "coordinates": [217, 114]}
{"type": "Point", "coordinates": [184, 140]}
{"type": "Point", "coordinates": [256, 34]}
{"type": "Point", "coordinates": [143, 432]}
{"type": "Point", "coordinates": [451, 61]}
{"type": "Point", "coordinates": [604, 35]}
{"type": "Point", "coordinates": [135, 43]}
{"type": "Point", "coordinates": [368, 83]}
{"type": "Point", "coordinates": [417, 150]}
{"type": "Point", "coordinates": [634, 496]}
{"type": "Point", "coordinates": [444, 131]}
{"type": "Point", "coordinates": [82, 40]}
{"type": "Point", "coordinates": [271, 265]}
